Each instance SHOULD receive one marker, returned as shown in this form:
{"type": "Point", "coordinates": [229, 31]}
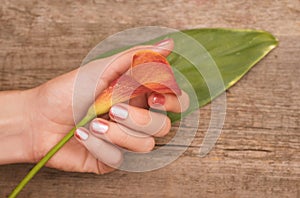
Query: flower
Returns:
{"type": "Point", "coordinates": [149, 72]}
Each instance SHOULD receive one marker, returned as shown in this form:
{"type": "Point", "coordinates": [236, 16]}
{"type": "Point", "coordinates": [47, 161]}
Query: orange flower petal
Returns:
{"type": "Point", "coordinates": [150, 72]}
{"type": "Point", "coordinates": [147, 56]}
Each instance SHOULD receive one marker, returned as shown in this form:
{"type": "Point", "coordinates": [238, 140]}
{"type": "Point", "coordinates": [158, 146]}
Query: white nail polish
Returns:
{"type": "Point", "coordinates": [119, 112]}
{"type": "Point", "coordinates": [81, 134]}
{"type": "Point", "coordinates": [99, 127]}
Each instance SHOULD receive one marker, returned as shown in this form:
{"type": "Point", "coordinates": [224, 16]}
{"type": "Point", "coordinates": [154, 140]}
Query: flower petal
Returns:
{"type": "Point", "coordinates": [157, 77]}
{"type": "Point", "coordinates": [149, 72]}
{"type": "Point", "coordinates": [147, 56]}
{"type": "Point", "coordinates": [154, 72]}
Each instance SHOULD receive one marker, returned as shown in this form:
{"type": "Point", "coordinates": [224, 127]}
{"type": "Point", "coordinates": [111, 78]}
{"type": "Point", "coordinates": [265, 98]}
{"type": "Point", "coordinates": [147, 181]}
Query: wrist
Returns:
{"type": "Point", "coordinates": [15, 132]}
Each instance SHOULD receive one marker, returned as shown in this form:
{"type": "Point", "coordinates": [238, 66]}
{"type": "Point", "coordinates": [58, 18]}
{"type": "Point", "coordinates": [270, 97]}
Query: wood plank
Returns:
{"type": "Point", "coordinates": [258, 151]}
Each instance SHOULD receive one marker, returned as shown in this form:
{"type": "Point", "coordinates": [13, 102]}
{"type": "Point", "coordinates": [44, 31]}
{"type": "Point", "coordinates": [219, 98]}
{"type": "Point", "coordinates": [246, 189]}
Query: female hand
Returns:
{"type": "Point", "coordinates": [50, 115]}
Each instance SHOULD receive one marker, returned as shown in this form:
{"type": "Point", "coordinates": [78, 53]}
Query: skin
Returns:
{"type": "Point", "coordinates": [32, 121]}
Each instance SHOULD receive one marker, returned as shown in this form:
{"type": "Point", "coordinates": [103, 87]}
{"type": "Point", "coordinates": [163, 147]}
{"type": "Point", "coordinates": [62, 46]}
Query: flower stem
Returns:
{"type": "Point", "coordinates": [50, 154]}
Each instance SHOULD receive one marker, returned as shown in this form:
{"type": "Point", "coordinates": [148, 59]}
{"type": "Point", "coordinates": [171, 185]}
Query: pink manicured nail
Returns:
{"type": "Point", "coordinates": [99, 126]}
{"type": "Point", "coordinates": [158, 99]}
{"type": "Point", "coordinates": [119, 112]}
{"type": "Point", "coordinates": [81, 134]}
{"type": "Point", "coordinates": [163, 43]}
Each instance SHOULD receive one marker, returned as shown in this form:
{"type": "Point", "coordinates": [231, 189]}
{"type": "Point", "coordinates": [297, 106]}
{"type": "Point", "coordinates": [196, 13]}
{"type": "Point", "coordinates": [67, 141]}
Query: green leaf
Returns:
{"type": "Point", "coordinates": [206, 62]}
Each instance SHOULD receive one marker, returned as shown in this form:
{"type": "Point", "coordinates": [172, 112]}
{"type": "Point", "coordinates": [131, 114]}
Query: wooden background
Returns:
{"type": "Point", "coordinates": [258, 153]}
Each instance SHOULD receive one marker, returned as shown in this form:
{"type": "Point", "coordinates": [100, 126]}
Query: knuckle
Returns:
{"type": "Point", "coordinates": [149, 144]}
{"type": "Point", "coordinates": [168, 123]}
{"type": "Point", "coordinates": [166, 127]}
{"type": "Point", "coordinates": [117, 159]}
{"type": "Point", "coordinates": [142, 118]}
{"type": "Point", "coordinates": [122, 139]}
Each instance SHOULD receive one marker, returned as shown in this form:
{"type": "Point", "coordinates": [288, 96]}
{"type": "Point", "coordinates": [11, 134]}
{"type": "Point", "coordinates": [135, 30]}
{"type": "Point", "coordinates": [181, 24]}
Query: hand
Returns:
{"type": "Point", "coordinates": [50, 116]}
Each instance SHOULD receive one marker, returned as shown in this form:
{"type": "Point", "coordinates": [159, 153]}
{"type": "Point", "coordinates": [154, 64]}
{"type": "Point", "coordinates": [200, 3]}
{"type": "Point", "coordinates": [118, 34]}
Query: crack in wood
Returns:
{"type": "Point", "coordinates": [255, 150]}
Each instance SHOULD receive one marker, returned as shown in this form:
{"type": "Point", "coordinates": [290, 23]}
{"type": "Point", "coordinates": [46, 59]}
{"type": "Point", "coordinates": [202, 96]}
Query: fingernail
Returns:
{"type": "Point", "coordinates": [119, 112]}
{"type": "Point", "coordinates": [99, 126]}
{"type": "Point", "coordinates": [163, 43]}
{"type": "Point", "coordinates": [81, 134]}
{"type": "Point", "coordinates": [158, 99]}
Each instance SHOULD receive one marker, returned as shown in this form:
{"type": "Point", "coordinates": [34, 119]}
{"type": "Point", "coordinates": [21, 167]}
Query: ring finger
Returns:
{"type": "Point", "coordinates": [121, 135]}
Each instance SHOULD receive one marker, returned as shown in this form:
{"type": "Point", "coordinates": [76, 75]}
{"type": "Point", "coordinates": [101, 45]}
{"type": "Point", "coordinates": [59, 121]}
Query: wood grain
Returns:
{"type": "Point", "coordinates": [258, 153]}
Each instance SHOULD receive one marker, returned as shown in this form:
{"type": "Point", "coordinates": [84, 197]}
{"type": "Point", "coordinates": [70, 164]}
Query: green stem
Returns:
{"type": "Point", "coordinates": [50, 154]}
